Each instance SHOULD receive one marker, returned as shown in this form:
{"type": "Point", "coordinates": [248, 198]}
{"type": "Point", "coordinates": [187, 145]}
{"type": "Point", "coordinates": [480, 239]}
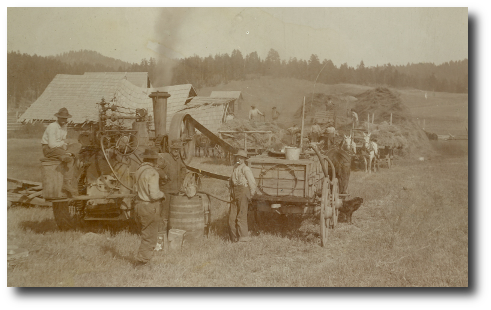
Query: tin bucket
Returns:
{"type": "Point", "coordinates": [52, 178]}
{"type": "Point", "coordinates": [176, 238]}
{"type": "Point", "coordinates": [292, 153]}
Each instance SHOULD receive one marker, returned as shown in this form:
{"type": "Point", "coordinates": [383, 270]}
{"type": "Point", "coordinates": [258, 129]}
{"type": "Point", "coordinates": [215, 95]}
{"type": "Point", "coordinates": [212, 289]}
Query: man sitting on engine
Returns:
{"type": "Point", "coordinates": [54, 146]}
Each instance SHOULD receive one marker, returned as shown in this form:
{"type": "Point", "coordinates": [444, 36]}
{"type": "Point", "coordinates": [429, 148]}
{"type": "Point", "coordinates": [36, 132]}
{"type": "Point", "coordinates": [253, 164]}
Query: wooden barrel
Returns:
{"type": "Point", "coordinates": [187, 214]}
{"type": "Point", "coordinates": [52, 178]}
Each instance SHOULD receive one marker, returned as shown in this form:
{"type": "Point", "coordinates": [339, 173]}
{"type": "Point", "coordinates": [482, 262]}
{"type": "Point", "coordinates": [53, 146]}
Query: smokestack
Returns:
{"type": "Point", "coordinates": [160, 112]}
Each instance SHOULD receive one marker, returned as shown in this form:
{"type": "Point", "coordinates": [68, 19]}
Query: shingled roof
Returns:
{"type": "Point", "coordinates": [208, 111]}
{"type": "Point", "coordinates": [226, 94]}
{"type": "Point", "coordinates": [139, 79]}
{"type": "Point", "coordinates": [81, 93]}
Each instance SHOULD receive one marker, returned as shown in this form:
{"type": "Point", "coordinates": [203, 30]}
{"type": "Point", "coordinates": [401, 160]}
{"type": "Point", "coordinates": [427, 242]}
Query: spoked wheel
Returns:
{"type": "Point", "coordinates": [333, 221]}
{"type": "Point", "coordinates": [66, 215]}
{"type": "Point", "coordinates": [183, 130]}
{"type": "Point", "coordinates": [326, 212]}
{"type": "Point", "coordinates": [120, 170]}
{"type": "Point", "coordinates": [127, 144]}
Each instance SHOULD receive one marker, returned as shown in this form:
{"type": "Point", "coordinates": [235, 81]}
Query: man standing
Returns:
{"type": "Point", "coordinates": [254, 113]}
{"type": "Point", "coordinates": [147, 205]}
{"type": "Point", "coordinates": [354, 118]}
{"type": "Point", "coordinates": [54, 146]}
{"type": "Point", "coordinates": [243, 186]}
{"type": "Point", "coordinates": [330, 133]}
{"type": "Point", "coordinates": [175, 171]}
{"type": "Point", "coordinates": [294, 130]}
{"type": "Point", "coordinates": [315, 132]}
{"type": "Point", "coordinates": [274, 115]}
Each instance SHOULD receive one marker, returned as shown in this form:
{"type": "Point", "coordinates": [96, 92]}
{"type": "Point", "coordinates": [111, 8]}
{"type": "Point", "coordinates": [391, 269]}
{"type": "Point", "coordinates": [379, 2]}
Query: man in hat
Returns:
{"type": "Point", "coordinates": [148, 205]}
{"type": "Point", "coordinates": [254, 114]}
{"type": "Point", "coordinates": [315, 132]}
{"type": "Point", "coordinates": [294, 131]}
{"type": "Point", "coordinates": [354, 118]}
{"type": "Point", "coordinates": [175, 172]}
{"type": "Point", "coordinates": [243, 186]}
{"type": "Point", "coordinates": [274, 115]}
{"type": "Point", "coordinates": [54, 146]}
{"type": "Point", "coordinates": [330, 133]}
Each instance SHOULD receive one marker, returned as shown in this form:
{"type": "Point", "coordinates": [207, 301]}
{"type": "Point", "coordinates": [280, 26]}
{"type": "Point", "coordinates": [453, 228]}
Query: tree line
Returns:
{"type": "Point", "coordinates": [29, 75]}
{"type": "Point", "coordinates": [209, 71]}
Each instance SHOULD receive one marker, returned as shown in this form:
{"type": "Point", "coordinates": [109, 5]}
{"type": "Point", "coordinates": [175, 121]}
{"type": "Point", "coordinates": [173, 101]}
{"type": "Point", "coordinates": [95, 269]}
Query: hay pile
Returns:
{"type": "Point", "coordinates": [253, 139]}
{"type": "Point", "coordinates": [381, 102]}
{"type": "Point", "coordinates": [320, 102]}
{"type": "Point", "coordinates": [403, 133]}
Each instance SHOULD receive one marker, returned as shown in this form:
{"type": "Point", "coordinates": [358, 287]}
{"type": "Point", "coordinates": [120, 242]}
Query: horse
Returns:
{"type": "Point", "coordinates": [203, 144]}
{"type": "Point", "coordinates": [371, 149]}
{"type": "Point", "coordinates": [342, 163]}
{"type": "Point", "coordinates": [348, 144]}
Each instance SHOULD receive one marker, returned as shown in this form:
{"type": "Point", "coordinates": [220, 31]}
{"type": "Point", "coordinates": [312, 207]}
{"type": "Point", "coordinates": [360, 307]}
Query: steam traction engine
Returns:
{"type": "Point", "coordinates": [108, 159]}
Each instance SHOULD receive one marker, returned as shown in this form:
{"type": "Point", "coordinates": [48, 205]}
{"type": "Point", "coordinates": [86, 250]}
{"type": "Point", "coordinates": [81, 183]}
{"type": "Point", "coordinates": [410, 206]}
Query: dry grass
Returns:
{"type": "Point", "coordinates": [411, 231]}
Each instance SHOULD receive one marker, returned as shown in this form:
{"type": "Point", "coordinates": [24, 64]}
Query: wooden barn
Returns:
{"type": "Point", "coordinates": [236, 95]}
{"type": "Point", "coordinates": [210, 112]}
{"type": "Point", "coordinates": [81, 93]}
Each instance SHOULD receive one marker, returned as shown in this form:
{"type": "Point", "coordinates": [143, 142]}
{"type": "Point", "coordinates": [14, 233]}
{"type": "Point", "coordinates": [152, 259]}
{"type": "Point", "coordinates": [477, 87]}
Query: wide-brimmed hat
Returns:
{"type": "Point", "coordinates": [150, 154]}
{"type": "Point", "coordinates": [241, 153]}
{"type": "Point", "coordinates": [253, 106]}
{"type": "Point", "coordinates": [63, 113]}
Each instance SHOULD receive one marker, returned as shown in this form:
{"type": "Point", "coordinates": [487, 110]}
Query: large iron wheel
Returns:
{"type": "Point", "coordinates": [182, 129]}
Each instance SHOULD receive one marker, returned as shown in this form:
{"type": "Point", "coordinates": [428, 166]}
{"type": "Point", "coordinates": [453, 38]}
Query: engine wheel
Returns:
{"type": "Point", "coordinates": [67, 216]}
{"type": "Point", "coordinates": [183, 130]}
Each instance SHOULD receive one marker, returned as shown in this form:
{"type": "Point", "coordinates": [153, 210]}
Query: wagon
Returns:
{"type": "Point", "coordinates": [386, 155]}
{"type": "Point", "coordinates": [304, 186]}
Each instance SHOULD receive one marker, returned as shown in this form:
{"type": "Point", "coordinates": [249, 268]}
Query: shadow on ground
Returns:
{"type": "Point", "coordinates": [305, 228]}
{"type": "Point", "coordinates": [40, 227]}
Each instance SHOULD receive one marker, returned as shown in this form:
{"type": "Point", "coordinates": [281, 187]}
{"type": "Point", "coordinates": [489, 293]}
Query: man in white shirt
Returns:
{"type": "Point", "coordinates": [148, 205]}
{"type": "Point", "coordinates": [254, 114]}
{"type": "Point", "coordinates": [354, 118]}
{"type": "Point", "coordinates": [315, 132]}
{"type": "Point", "coordinates": [55, 146]}
{"type": "Point", "coordinates": [244, 187]}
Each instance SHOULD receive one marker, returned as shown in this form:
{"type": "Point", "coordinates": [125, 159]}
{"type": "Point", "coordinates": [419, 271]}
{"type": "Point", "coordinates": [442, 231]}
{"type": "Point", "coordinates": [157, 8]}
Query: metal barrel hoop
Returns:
{"type": "Point", "coordinates": [264, 171]}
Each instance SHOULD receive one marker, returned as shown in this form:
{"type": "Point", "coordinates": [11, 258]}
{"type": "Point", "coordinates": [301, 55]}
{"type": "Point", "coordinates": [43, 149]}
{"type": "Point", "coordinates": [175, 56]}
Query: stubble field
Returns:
{"type": "Point", "coordinates": [412, 230]}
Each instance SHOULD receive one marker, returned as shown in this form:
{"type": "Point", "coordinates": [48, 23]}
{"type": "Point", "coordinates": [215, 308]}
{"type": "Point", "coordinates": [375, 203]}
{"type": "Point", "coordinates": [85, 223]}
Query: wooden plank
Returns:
{"type": "Point", "coordinates": [22, 182]}
{"type": "Point", "coordinates": [15, 197]}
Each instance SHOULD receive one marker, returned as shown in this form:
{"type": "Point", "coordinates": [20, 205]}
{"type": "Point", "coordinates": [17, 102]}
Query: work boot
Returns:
{"type": "Point", "coordinates": [70, 188]}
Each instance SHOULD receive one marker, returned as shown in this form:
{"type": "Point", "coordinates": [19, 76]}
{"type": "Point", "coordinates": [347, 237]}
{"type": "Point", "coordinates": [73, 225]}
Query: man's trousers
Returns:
{"type": "Point", "coordinates": [147, 215]}
{"type": "Point", "coordinates": [237, 219]}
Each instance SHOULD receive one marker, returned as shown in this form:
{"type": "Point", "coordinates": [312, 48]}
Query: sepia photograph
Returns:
{"type": "Point", "coordinates": [249, 147]}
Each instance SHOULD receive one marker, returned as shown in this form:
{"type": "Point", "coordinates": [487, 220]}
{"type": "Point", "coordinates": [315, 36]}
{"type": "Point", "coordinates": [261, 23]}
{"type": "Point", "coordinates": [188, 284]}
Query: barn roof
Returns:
{"type": "Point", "coordinates": [81, 93]}
{"type": "Point", "coordinates": [208, 111]}
{"type": "Point", "coordinates": [226, 94]}
{"type": "Point", "coordinates": [139, 79]}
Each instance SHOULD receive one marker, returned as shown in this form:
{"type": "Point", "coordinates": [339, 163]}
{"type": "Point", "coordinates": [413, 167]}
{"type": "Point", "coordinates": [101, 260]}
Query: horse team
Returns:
{"type": "Point", "coordinates": [369, 151]}
{"type": "Point", "coordinates": [206, 148]}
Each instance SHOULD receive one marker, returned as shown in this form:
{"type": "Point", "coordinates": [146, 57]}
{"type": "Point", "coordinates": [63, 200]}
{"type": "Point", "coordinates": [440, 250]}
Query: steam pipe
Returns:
{"type": "Point", "coordinates": [160, 112]}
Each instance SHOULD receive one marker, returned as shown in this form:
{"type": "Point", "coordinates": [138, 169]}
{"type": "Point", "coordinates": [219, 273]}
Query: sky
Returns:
{"type": "Point", "coordinates": [375, 36]}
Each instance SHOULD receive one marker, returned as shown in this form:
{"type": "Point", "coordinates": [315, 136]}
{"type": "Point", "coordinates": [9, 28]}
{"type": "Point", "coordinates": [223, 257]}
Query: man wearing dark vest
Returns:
{"type": "Point", "coordinates": [148, 205]}
{"type": "Point", "coordinates": [175, 171]}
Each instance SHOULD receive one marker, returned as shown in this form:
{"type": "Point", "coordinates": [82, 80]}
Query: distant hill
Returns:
{"type": "Point", "coordinates": [93, 58]}
{"type": "Point", "coordinates": [440, 112]}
